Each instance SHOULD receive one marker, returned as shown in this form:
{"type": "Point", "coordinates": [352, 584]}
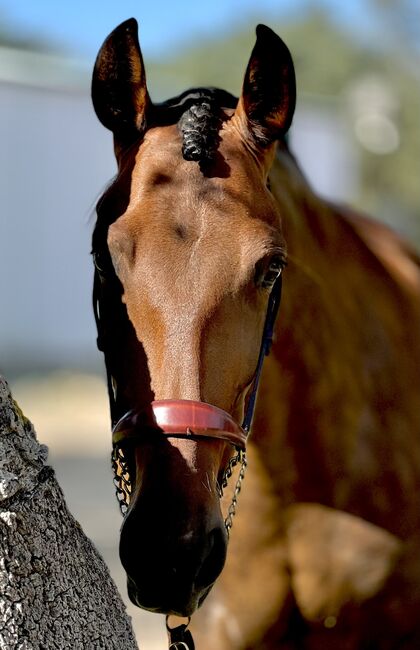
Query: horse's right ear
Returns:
{"type": "Point", "coordinates": [119, 91]}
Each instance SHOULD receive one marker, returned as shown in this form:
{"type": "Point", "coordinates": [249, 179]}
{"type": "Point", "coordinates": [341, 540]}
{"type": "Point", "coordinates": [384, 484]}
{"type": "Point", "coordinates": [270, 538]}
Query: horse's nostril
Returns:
{"type": "Point", "coordinates": [214, 559]}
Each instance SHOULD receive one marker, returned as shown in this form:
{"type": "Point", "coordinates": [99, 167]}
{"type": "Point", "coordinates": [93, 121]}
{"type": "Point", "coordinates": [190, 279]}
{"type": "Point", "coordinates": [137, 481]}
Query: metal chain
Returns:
{"type": "Point", "coordinates": [228, 472]}
{"type": "Point", "coordinates": [239, 458]}
{"type": "Point", "coordinates": [123, 485]}
{"type": "Point", "coordinates": [122, 481]}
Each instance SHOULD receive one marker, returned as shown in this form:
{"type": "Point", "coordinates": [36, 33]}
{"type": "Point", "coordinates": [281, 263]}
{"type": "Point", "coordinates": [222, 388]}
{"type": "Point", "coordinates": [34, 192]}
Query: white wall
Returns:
{"type": "Point", "coordinates": [54, 161]}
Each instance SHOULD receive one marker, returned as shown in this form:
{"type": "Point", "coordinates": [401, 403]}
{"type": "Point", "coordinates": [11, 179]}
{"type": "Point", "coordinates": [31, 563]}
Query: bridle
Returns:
{"type": "Point", "coordinates": [181, 418]}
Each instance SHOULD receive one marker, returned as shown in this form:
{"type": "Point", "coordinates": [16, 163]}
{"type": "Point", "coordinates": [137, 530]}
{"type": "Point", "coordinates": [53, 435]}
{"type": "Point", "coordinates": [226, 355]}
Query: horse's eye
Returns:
{"type": "Point", "coordinates": [102, 262]}
{"type": "Point", "coordinates": [268, 271]}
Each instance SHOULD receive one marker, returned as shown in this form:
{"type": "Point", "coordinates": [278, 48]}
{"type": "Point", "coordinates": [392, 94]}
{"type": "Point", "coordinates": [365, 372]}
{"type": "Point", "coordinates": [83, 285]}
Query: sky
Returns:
{"type": "Point", "coordinates": [80, 26]}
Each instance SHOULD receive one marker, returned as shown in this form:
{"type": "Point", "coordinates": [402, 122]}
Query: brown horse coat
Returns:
{"type": "Point", "coordinates": [325, 548]}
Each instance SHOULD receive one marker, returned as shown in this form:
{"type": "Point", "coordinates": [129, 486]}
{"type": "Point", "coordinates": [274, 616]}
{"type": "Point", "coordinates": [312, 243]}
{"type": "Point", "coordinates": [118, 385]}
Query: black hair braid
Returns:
{"type": "Point", "coordinates": [199, 126]}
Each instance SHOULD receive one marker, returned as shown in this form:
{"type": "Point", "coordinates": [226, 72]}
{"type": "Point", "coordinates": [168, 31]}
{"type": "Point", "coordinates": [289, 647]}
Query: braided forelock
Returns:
{"type": "Point", "coordinates": [199, 126]}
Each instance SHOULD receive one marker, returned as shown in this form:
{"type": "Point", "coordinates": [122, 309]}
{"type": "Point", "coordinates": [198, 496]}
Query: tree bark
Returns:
{"type": "Point", "coordinates": [55, 589]}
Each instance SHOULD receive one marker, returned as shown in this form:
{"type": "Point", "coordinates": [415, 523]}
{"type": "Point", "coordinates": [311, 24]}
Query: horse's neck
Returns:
{"type": "Point", "coordinates": [312, 226]}
{"type": "Point", "coordinates": [351, 292]}
{"type": "Point", "coordinates": [307, 370]}
{"type": "Point", "coordinates": [329, 405]}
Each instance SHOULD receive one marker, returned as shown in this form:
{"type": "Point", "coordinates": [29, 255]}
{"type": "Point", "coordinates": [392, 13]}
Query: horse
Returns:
{"type": "Point", "coordinates": [208, 214]}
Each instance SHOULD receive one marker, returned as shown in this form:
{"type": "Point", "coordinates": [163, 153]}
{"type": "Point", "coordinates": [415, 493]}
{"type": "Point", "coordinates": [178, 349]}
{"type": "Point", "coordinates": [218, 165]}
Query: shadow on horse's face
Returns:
{"type": "Point", "coordinates": [173, 540]}
{"type": "Point", "coordinates": [193, 239]}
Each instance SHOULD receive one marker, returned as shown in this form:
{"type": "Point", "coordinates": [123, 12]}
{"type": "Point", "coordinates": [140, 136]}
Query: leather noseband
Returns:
{"type": "Point", "coordinates": [180, 419]}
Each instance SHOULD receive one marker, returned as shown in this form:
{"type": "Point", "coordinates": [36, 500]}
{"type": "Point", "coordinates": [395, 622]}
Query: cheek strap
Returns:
{"type": "Point", "coordinates": [266, 343]}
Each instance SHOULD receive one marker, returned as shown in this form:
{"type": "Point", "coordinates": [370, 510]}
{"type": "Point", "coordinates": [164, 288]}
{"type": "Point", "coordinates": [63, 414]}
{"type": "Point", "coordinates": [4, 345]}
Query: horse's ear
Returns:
{"type": "Point", "coordinates": [269, 89]}
{"type": "Point", "coordinates": [119, 91]}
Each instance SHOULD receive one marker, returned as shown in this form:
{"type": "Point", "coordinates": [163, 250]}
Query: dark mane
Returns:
{"type": "Point", "coordinates": [198, 115]}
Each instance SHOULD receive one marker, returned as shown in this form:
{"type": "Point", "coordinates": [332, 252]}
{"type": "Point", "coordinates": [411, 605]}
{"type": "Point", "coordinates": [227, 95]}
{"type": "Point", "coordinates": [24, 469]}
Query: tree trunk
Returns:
{"type": "Point", "coordinates": [55, 589]}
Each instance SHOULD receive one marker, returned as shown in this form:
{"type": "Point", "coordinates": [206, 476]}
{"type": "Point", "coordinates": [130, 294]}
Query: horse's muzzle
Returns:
{"type": "Point", "coordinates": [173, 539]}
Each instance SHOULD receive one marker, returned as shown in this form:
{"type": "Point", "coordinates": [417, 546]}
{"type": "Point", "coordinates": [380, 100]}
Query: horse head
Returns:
{"type": "Point", "coordinates": [187, 245]}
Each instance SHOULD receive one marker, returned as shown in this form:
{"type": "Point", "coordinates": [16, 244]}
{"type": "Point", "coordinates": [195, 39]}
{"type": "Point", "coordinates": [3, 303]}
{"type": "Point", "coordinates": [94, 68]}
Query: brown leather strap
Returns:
{"type": "Point", "coordinates": [181, 419]}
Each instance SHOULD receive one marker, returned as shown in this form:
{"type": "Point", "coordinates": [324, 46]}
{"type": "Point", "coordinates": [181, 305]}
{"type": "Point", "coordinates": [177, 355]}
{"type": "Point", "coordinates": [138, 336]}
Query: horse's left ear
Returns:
{"type": "Point", "coordinates": [119, 91]}
{"type": "Point", "coordinates": [269, 90]}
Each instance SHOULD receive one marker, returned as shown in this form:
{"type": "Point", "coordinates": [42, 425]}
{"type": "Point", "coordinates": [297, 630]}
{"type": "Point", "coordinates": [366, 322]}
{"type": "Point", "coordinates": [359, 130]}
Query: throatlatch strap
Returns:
{"type": "Point", "coordinates": [98, 282]}
{"type": "Point", "coordinates": [266, 342]}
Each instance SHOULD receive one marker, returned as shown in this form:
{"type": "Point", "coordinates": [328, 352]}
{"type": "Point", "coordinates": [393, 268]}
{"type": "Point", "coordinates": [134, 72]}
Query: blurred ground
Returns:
{"type": "Point", "coordinates": [70, 415]}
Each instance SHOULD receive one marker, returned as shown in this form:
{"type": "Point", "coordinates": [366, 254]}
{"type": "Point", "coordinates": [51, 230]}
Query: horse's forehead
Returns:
{"type": "Point", "coordinates": [176, 207]}
{"type": "Point", "coordinates": [161, 151]}
{"type": "Point", "coordinates": [160, 146]}
{"type": "Point", "coordinates": [163, 181]}
{"type": "Point", "coordinates": [200, 222]}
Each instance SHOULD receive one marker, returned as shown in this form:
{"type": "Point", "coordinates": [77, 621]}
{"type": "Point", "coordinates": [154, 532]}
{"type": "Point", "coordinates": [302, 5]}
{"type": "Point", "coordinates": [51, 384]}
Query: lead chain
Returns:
{"type": "Point", "coordinates": [121, 479]}
{"type": "Point", "coordinates": [233, 462]}
{"type": "Point", "coordinates": [241, 457]}
{"type": "Point", "coordinates": [123, 485]}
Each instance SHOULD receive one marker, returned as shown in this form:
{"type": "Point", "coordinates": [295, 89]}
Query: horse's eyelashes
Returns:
{"type": "Point", "coordinates": [268, 270]}
{"type": "Point", "coordinates": [102, 262]}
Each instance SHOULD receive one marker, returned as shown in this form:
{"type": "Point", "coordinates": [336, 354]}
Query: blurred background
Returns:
{"type": "Point", "coordinates": [356, 134]}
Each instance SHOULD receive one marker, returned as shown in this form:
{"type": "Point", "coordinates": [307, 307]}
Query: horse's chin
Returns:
{"type": "Point", "coordinates": [171, 606]}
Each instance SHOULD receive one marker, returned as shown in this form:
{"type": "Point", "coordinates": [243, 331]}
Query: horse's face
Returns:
{"type": "Point", "coordinates": [195, 245]}
{"type": "Point", "coordinates": [190, 252]}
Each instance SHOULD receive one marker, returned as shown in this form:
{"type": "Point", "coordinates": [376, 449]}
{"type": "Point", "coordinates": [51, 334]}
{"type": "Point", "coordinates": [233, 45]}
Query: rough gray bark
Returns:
{"type": "Point", "coordinates": [55, 589]}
